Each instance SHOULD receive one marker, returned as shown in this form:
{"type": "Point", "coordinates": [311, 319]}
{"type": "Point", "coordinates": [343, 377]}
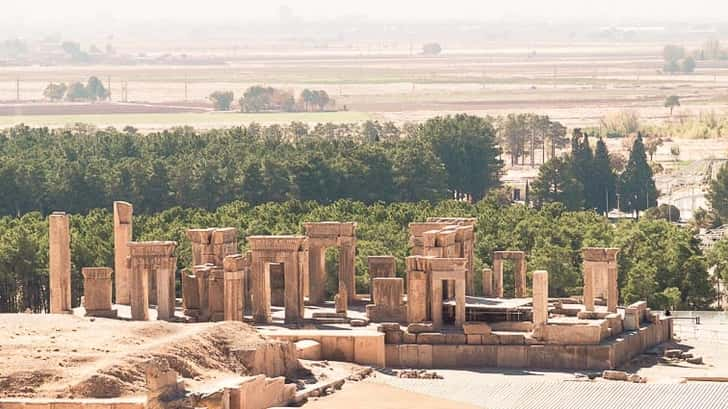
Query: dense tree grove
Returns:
{"type": "Point", "coordinates": [655, 256]}
{"type": "Point", "coordinates": [81, 169]}
{"type": "Point", "coordinates": [586, 179]}
{"type": "Point", "coordinates": [270, 180]}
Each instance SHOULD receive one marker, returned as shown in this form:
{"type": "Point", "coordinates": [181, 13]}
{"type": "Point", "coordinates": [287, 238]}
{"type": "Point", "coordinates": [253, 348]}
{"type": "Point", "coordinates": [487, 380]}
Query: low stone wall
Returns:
{"type": "Point", "coordinates": [361, 347]}
{"type": "Point", "coordinates": [608, 354]}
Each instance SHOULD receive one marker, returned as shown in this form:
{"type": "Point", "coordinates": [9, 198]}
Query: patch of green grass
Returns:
{"type": "Point", "coordinates": [197, 120]}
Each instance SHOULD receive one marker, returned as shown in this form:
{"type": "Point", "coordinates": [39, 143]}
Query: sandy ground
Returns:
{"type": "Point", "coordinates": [369, 395]}
{"type": "Point", "coordinates": [69, 356]}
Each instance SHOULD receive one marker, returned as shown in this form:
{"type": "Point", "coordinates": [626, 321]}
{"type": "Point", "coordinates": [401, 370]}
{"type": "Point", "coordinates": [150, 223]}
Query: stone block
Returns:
{"type": "Point", "coordinates": [409, 355]}
{"type": "Point", "coordinates": [370, 350]}
{"type": "Point", "coordinates": [409, 338]}
{"type": "Point", "coordinates": [392, 355]}
{"type": "Point", "coordinates": [476, 356]}
{"type": "Point", "coordinates": [453, 338]}
{"type": "Point", "coordinates": [444, 356]}
{"type": "Point", "coordinates": [419, 327]}
{"type": "Point", "coordinates": [393, 337]}
{"type": "Point", "coordinates": [511, 338]}
{"type": "Point", "coordinates": [476, 328]}
{"type": "Point", "coordinates": [424, 356]}
{"type": "Point", "coordinates": [308, 349]}
{"type": "Point", "coordinates": [512, 356]}
{"type": "Point", "coordinates": [430, 338]}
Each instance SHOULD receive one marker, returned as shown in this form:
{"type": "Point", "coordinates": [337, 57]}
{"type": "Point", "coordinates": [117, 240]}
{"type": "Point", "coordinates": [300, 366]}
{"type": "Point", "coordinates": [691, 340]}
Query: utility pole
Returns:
{"type": "Point", "coordinates": [17, 89]}
{"type": "Point", "coordinates": [186, 86]}
{"type": "Point", "coordinates": [108, 87]}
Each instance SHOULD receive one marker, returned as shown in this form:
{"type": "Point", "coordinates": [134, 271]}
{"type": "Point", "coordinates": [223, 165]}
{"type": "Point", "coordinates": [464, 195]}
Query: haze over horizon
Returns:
{"type": "Point", "coordinates": [54, 14]}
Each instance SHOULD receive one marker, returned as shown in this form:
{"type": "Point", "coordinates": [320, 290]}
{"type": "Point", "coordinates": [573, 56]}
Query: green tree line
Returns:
{"type": "Point", "coordinates": [80, 169]}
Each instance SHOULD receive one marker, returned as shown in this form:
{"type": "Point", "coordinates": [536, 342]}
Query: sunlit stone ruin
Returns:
{"type": "Point", "coordinates": [433, 313]}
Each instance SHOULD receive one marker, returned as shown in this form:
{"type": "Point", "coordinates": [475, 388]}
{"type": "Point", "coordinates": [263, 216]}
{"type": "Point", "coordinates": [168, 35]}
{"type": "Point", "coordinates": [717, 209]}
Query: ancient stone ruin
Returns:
{"type": "Point", "coordinates": [432, 316]}
{"type": "Point", "coordinates": [321, 236]}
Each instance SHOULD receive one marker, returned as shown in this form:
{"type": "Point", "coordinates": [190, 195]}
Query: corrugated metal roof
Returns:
{"type": "Point", "coordinates": [573, 395]}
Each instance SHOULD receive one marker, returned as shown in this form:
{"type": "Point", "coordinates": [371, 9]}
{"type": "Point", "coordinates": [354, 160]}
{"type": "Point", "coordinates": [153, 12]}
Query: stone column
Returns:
{"type": "Point", "coordinates": [468, 250]}
{"type": "Point", "coordinates": [589, 285]}
{"type": "Point", "coordinates": [216, 293]}
{"type": "Point", "coordinates": [190, 294]}
{"type": "Point", "coordinates": [347, 260]}
{"type": "Point", "coordinates": [520, 276]}
{"type": "Point", "coordinates": [202, 274]}
{"type": "Point", "coordinates": [293, 291]}
{"type": "Point", "coordinates": [139, 288]}
{"type": "Point", "coordinates": [261, 291]}
{"type": "Point", "coordinates": [234, 287]}
{"type": "Point", "coordinates": [97, 292]}
{"type": "Point", "coordinates": [123, 214]}
{"type": "Point", "coordinates": [317, 274]}
{"type": "Point", "coordinates": [436, 304]}
{"type": "Point", "coordinates": [166, 297]}
{"type": "Point", "coordinates": [416, 290]}
{"type": "Point", "coordinates": [612, 287]}
{"type": "Point", "coordinates": [59, 263]}
{"type": "Point", "coordinates": [340, 301]}
{"type": "Point", "coordinates": [488, 283]}
{"type": "Point", "coordinates": [498, 276]}
{"type": "Point", "coordinates": [460, 302]}
{"type": "Point", "coordinates": [540, 297]}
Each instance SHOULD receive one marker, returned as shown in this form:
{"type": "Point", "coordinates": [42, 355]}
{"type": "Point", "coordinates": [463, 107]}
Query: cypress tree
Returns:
{"type": "Point", "coordinates": [637, 185]}
{"type": "Point", "coordinates": [604, 179]}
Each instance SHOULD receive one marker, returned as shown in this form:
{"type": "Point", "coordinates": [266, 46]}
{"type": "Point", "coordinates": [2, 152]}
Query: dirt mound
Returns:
{"type": "Point", "coordinates": [225, 348]}
{"type": "Point", "coordinates": [21, 384]}
{"type": "Point", "coordinates": [65, 356]}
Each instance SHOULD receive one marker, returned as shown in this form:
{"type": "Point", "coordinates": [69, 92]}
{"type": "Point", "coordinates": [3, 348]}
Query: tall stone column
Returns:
{"type": "Point", "coordinates": [216, 293]}
{"type": "Point", "coordinates": [190, 294]}
{"type": "Point", "coordinates": [123, 230]}
{"type": "Point", "coordinates": [589, 285]}
{"type": "Point", "coordinates": [317, 275]}
{"type": "Point", "coordinates": [436, 304]}
{"type": "Point", "coordinates": [261, 291]}
{"type": "Point", "coordinates": [97, 292]}
{"type": "Point", "coordinates": [59, 263]}
{"type": "Point", "coordinates": [460, 286]}
{"type": "Point", "coordinates": [540, 297]}
{"type": "Point", "coordinates": [166, 297]}
{"type": "Point", "coordinates": [488, 283]}
{"type": "Point", "coordinates": [347, 262]}
{"type": "Point", "coordinates": [498, 276]}
{"type": "Point", "coordinates": [293, 292]}
{"type": "Point", "coordinates": [139, 288]}
{"type": "Point", "coordinates": [612, 287]}
{"type": "Point", "coordinates": [416, 290]}
{"type": "Point", "coordinates": [520, 277]}
{"type": "Point", "coordinates": [234, 266]}
{"type": "Point", "coordinates": [202, 275]}
{"type": "Point", "coordinates": [468, 250]}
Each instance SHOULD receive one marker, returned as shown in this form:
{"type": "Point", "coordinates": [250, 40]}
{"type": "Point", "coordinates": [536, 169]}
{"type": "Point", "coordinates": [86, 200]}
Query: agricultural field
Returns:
{"type": "Point", "coordinates": [576, 84]}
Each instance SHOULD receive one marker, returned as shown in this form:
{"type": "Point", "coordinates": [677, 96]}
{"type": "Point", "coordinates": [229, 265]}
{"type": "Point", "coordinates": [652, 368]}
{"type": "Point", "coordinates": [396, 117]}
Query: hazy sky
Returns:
{"type": "Point", "coordinates": [34, 11]}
